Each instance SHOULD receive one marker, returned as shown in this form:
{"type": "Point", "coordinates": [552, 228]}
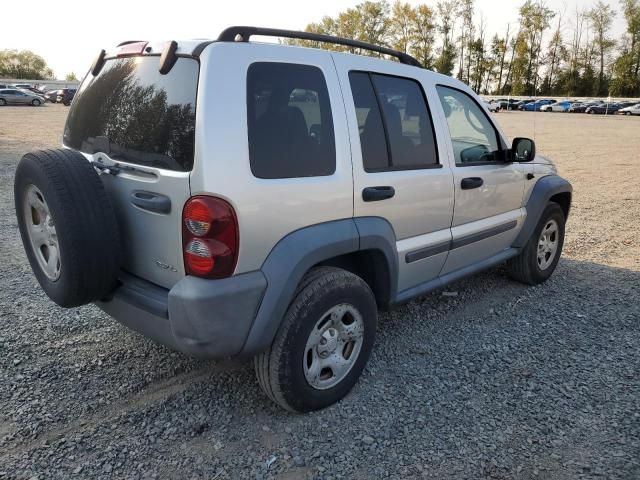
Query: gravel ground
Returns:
{"type": "Point", "coordinates": [496, 381]}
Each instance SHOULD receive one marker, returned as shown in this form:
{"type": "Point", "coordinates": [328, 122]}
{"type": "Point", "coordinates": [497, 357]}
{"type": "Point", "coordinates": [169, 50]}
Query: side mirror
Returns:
{"type": "Point", "coordinates": [523, 150]}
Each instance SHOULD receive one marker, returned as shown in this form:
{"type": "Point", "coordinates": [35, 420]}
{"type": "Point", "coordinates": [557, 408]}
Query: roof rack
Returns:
{"type": "Point", "coordinates": [243, 34]}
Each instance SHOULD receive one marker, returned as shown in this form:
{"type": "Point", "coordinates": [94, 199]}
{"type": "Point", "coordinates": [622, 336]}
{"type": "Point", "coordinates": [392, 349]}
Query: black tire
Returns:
{"type": "Point", "coordinates": [36, 103]}
{"type": "Point", "coordinates": [85, 223]}
{"type": "Point", "coordinates": [3, 102]}
{"type": "Point", "coordinates": [524, 268]}
{"type": "Point", "coordinates": [280, 370]}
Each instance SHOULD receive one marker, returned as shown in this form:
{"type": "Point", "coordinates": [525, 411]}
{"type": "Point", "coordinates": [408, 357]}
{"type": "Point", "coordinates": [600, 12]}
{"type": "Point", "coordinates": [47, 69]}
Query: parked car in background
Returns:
{"type": "Point", "coordinates": [508, 104]}
{"type": "Point", "coordinates": [22, 85]}
{"type": "Point", "coordinates": [493, 106]}
{"type": "Point", "coordinates": [15, 96]}
{"type": "Point", "coordinates": [625, 105]}
{"type": "Point", "coordinates": [631, 110]}
{"type": "Point", "coordinates": [603, 109]}
{"type": "Point", "coordinates": [33, 90]}
{"type": "Point", "coordinates": [535, 105]}
{"type": "Point", "coordinates": [65, 96]}
{"type": "Point", "coordinates": [51, 96]}
{"type": "Point", "coordinates": [557, 107]}
{"type": "Point", "coordinates": [521, 103]}
{"type": "Point", "coordinates": [580, 107]}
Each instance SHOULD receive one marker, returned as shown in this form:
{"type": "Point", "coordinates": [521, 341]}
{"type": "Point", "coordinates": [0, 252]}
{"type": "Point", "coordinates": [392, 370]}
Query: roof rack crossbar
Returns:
{"type": "Point", "coordinates": [243, 34]}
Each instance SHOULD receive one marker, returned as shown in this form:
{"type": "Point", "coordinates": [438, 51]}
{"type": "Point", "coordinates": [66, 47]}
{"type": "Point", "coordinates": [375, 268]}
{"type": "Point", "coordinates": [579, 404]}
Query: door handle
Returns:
{"type": "Point", "coordinates": [471, 182]}
{"type": "Point", "coordinates": [375, 194]}
{"type": "Point", "coordinates": [153, 202]}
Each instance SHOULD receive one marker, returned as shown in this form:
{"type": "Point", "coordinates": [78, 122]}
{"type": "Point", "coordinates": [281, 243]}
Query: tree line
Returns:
{"type": "Point", "coordinates": [545, 53]}
{"type": "Point", "coordinates": [26, 65]}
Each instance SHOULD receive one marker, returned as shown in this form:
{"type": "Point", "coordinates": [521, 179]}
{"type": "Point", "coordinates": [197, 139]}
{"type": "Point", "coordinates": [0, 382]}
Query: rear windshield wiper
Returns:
{"type": "Point", "coordinates": [113, 167]}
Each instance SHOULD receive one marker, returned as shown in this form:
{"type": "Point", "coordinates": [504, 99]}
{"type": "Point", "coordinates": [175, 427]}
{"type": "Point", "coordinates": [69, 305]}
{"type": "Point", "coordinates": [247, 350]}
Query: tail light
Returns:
{"type": "Point", "coordinates": [209, 237]}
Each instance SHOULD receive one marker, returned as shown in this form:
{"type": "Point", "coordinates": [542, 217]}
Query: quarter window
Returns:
{"type": "Point", "coordinates": [395, 126]}
{"type": "Point", "coordinates": [289, 120]}
{"type": "Point", "coordinates": [474, 138]}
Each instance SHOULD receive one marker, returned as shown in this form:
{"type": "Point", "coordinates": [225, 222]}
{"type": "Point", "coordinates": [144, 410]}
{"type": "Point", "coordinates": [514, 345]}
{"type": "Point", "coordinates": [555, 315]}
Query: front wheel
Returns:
{"type": "Point", "coordinates": [323, 343]}
{"type": "Point", "coordinates": [36, 103]}
{"type": "Point", "coordinates": [3, 102]}
{"type": "Point", "coordinates": [541, 254]}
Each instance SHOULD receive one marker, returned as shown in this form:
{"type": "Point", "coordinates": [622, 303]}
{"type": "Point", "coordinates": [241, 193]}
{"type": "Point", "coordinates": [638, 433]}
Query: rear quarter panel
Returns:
{"type": "Point", "coordinates": [267, 209]}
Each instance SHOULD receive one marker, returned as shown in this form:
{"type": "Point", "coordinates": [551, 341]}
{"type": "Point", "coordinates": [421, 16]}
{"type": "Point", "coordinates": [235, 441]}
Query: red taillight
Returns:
{"type": "Point", "coordinates": [209, 237]}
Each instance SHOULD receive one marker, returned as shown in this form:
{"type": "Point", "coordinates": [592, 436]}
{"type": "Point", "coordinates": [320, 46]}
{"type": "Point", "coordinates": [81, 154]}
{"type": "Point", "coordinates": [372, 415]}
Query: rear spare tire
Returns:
{"type": "Point", "coordinates": [68, 226]}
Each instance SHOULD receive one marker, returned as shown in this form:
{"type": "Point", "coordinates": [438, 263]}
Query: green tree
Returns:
{"type": "Point", "coordinates": [422, 35]}
{"type": "Point", "coordinates": [499, 54]}
{"type": "Point", "coordinates": [534, 20]}
{"type": "Point", "coordinates": [626, 68]}
{"type": "Point", "coordinates": [478, 63]}
{"type": "Point", "coordinates": [447, 14]}
{"type": "Point", "coordinates": [374, 22]}
{"type": "Point", "coordinates": [23, 64]}
{"type": "Point", "coordinates": [467, 32]}
{"type": "Point", "coordinates": [71, 77]}
{"type": "Point", "coordinates": [601, 16]}
{"type": "Point", "coordinates": [520, 79]}
{"type": "Point", "coordinates": [555, 55]}
{"type": "Point", "coordinates": [402, 26]}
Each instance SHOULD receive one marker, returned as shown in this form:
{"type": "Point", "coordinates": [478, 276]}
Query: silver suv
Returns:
{"type": "Point", "coordinates": [237, 199]}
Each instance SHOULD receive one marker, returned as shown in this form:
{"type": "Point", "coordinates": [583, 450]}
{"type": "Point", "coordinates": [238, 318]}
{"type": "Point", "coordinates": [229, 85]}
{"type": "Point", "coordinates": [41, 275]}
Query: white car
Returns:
{"type": "Point", "coordinates": [632, 110]}
{"type": "Point", "coordinates": [556, 107]}
{"type": "Point", "coordinates": [493, 106]}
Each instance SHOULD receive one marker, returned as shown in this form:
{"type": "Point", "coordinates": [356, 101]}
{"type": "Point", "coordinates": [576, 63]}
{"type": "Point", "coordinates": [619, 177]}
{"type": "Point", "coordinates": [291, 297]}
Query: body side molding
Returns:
{"type": "Point", "coordinates": [439, 282]}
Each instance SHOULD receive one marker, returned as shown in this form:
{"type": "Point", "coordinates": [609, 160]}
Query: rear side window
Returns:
{"type": "Point", "coordinates": [289, 121]}
{"type": "Point", "coordinates": [372, 137]}
{"type": "Point", "coordinates": [396, 132]}
{"type": "Point", "coordinates": [134, 114]}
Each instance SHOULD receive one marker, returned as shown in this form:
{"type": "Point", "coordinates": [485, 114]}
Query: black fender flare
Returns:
{"type": "Point", "coordinates": [299, 251]}
{"type": "Point", "coordinates": [544, 189]}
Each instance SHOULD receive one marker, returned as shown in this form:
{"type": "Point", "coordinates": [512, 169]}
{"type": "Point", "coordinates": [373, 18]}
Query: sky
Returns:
{"type": "Point", "coordinates": [70, 39]}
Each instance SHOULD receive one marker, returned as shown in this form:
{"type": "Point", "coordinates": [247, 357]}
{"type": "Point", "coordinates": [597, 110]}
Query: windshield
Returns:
{"type": "Point", "coordinates": [134, 114]}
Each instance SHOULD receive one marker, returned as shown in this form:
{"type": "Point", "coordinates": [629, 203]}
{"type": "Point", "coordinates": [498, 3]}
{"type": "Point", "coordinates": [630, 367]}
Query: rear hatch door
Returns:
{"type": "Point", "coordinates": [138, 126]}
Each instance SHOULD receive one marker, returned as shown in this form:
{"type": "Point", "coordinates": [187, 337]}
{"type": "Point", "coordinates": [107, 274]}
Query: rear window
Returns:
{"type": "Point", "coordinates": [134, 114]}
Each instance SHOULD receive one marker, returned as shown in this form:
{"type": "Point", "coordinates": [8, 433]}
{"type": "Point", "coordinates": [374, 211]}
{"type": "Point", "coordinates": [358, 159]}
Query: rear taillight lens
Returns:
{"type": "Point", "coordinates": [209, 237]}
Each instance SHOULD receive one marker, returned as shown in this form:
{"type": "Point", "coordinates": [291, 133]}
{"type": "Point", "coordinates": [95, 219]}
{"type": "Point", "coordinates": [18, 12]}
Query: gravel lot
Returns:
{"type": "Point", "coordinates": [498, 381]}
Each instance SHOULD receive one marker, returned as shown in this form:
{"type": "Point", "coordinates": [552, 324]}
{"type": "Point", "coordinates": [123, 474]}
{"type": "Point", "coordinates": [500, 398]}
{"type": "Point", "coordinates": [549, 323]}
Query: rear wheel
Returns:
{"type": "Point", "coordinates": [323, 344]}
{"type": "Point", "coordinates": [541, 254]}
{"type": "Point", "coordinates": [3, 102]}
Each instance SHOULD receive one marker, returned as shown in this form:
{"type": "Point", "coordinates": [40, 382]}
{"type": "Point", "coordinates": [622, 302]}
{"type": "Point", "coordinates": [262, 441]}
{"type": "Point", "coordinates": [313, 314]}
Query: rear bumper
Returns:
{"type": "Point", "coordinates": [202, 318]}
